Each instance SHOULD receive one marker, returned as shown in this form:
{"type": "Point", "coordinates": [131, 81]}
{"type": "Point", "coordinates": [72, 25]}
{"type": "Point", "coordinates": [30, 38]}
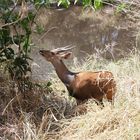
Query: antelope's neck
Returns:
{"type": "Point", "coordinates": [63, 73]}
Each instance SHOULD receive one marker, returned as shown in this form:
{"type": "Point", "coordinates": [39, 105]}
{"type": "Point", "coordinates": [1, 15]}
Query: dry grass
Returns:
{"type": "Point", "coordinates": [55, 116]}
{"type": "Point", "coordinates": [43, 115]}
{"type": "Point", "coordinates": [121, 121]}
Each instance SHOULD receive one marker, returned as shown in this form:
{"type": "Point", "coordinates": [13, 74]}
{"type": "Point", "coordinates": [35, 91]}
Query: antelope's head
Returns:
{"type": "Point", "coordinates": [56, 54]}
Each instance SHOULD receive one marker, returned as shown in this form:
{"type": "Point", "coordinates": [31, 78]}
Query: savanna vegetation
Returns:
{"type": "Point", "coordinates": [40, 111]}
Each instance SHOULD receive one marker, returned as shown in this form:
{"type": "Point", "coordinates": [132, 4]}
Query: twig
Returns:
{"type": "Point", "coordinates": [46, 33]}
{"type": "Point", "coordinates": [3, 112]}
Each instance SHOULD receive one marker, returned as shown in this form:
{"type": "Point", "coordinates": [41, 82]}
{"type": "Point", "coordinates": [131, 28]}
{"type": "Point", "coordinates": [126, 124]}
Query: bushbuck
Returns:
{"type": "Point", "coordinates": [81, 85]}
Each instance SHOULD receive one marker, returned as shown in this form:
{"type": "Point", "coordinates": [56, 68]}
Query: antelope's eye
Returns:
{"type": "Point", "coordinates": [52, 53]}
{"type": "Point", "coordinates": [41, 52]}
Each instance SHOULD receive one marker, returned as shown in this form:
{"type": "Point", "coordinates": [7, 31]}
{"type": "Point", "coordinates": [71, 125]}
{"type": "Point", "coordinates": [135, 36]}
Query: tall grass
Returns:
{"type": "Point", "coordinates": [61, 119]}
{"type": "Point", "coordinates": [121, 121]}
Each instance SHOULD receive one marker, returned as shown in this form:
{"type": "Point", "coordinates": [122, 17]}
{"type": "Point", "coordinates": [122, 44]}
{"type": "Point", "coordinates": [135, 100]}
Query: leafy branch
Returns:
{"type": "Point", "coordinates": [15, 37]}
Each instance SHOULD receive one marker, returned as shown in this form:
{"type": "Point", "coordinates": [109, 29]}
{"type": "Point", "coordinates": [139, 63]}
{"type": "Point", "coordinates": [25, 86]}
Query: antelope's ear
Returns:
{"type": "Point", "coordinates": [66, 55]}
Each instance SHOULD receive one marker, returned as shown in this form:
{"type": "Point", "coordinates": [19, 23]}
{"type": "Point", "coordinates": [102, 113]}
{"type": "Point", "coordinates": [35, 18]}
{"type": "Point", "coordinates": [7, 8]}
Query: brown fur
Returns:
{"type": "Point", "coordinates": [93, 85]}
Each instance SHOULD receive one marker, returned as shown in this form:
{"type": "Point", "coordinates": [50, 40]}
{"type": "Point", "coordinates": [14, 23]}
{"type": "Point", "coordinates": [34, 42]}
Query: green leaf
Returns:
{"type": "Point", "coordinates": [65, 3]}
{"type": "Point", "coordinates": [98, 4]}
{"type": "Point", "coordinates": [121, 7]}
{"type": "Point", "coordinates": [87, 2]}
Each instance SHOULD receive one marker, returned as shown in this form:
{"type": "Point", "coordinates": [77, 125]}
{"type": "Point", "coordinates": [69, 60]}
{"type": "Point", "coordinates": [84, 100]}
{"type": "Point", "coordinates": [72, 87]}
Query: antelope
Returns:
{"type": "Point", "coordinates": [81, 85]}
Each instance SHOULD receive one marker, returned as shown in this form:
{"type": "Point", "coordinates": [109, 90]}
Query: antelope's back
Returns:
{"type": "Point", "coordinates": [94, 85]}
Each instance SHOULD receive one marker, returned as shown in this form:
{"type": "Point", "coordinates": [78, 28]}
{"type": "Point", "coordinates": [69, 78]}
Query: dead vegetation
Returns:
{"type": "Point", "coordinates": [39, 114]}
